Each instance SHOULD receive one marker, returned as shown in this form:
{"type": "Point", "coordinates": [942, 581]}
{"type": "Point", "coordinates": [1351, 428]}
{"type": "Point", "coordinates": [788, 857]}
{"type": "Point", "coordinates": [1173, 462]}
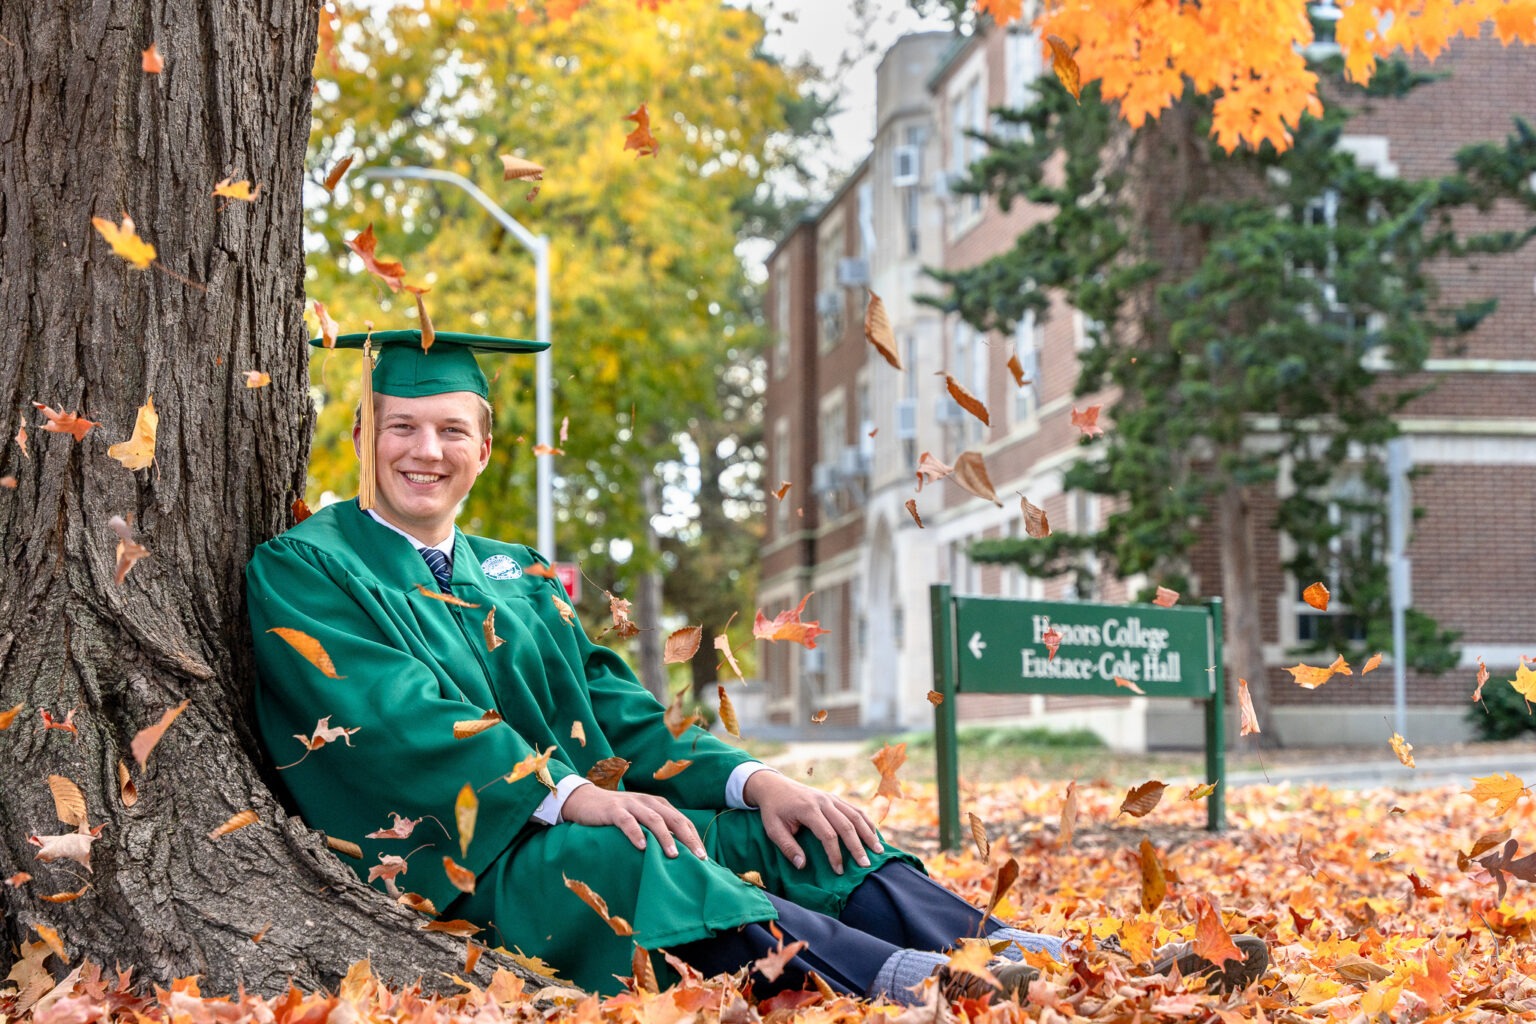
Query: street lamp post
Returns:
{"type": "Point", "coordinates": [539, 246]}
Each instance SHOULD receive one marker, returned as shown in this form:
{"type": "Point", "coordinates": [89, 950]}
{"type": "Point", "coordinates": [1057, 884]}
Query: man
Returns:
{"type": "Point", "coordinates": [450, 669]}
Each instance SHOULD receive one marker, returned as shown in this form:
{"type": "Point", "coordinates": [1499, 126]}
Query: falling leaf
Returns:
{"type": "Point", "coordinates": [887, 760]}
{"type": "Point", "coordinates": [1065, 66]}
{"type": "Point", "coordinates": [579, 733]}
{"type": "Point", "coordinates": [1165, 598]}
{"type": "Point", "coordinates": [1127, 684]}
{"type": "Point", "coordinates": [782, 490]}
{"type": "Point", "coordinates": [390, 272]}
{"type": "Point", "coordinates": [1016, 368]}
{"type": "Point", "coordinates": [19, 879]}
{"type": "Point", "coordinates": [51, 937]}
{"type": "Point", "coordinates": [241, 190]}
{"type": "Point", "coordinates": [7, 717]}
{"type": "Point", "coordinates": [979, 835]}
{"type": "Point", "coordinates": [67, 725]}
{"type": "Point", "coordinates": [682, 645]}
{"type": "Point", "coordinates": [817, 717]}
{"type": "Point", "coordinates": [466, 807]}
{"type": "Point", "coordinates": [605, 774]}
{"type": "Point", "coordinates": [1504, 790]}
{"type": "Point", "coordinates": [935, 698]}
{"type": "Point", "coordinates": [930, 470]}
{"type": "Point", "coordinates": [640, 139]}
{"type": "Point", "coordinates": [1154, 884]}
{"type": "Point", "coordinates": [1420, 888]}
{"type": "Point", "coordinates": [428, 332]}
{"type": "Point", "coordinates": [679, 720]}
{"type": "Point", "coordinates": [1525, 681]}
{"type": "Point", "coordinates": [618, 608]}
{"type": "Point", "coordinates": [1374, 662]}
{"type": "Point", "coordinates": [388, 868]}
{"type": "Point", "coordinates": [1311, 677]}
{"type": "Point", "coordinates": [145, 739]}
{"type": "Point", "coordinates": [345, 848]}
{"type": "Point", "coordinates": [458, 929]}
{"type": "Point", "coordinates": [1482, 679]}
{"type": "Point", "coordinates": [1250, 718]}
{"type": "Point", "coordinates": [967, 401]}
{"type": "Point", "coordinates": [971, 474]}
{"type": "Point", "coordinates": [401, 829]}
{"type": "Point", "coordinates": [974, 956]}
{"type": "Point", "coordinates": [334, 176]}
{"type": "Point", "coordinates": [877, 328]}
{"type": "Point", "coordinates": [8, 482]}
{"type": "Point", "coordinates": [787, 626]}
{"type": "Point", "coordinates": [723, 645]}
{"type": "Point", "coordinates": [328, 327]}
{"type": "Point", "coordinates": [753, 878]}
{"type": "Point", "coordinates": [21, 439]}
{"type": "Point", "coordinates": [1087, 420]}
{"type": "Point", "coordinates": [126, 790]}
{"type": "Point", "coordinates": [643, 972]}
{"type": "Point", "coordinates": [1140, 801]}
{"type": "Point", "coordinates": [125, 242]}
{"type": "Point", "coordinates": [256, 379]}
{"type": "Point", "coordinates": [438, 595]}
{"type": "Point", "coordinates": [64, 897]}
{"type": "Point", "coordinates": [1051, 638]}
{"type": "Point", "coordinates": [475, 726]}
{"type": "Point", "coordinates": [300, 511]}
{"type": "Point", "coordinates": [514, 168]}
{"type": "Point", "coordinates": [235, 822]}
{"type": "Point", "coordinates": [534, 764]}
{"type": "Point", "coordinates": [310, 648]}
{"type": "Point", "coordinates": [1403, 749]}
{"type": "Point", "coordinates": [492, 641]}
{"type": "Point", "coordinates": [61, 422]}
{"type": "Point", "coordinates": [912, 511]}
{"type": "Point", "coordinates": [728, 713]}
{"type": "Point", "coordinates": [772, 965]}
{"type": "Point", "coordinates": [1068, 820]}
{"type": "Point", "coordinates": [460, 878]}
{"type": "Point", "coordinates": [68, 801]}
{"type": "Point", "coordinates": [1002, 881]}
{"type": "Point", "coordinates": [1212, 940]}
{"type": "Point", "coordinates": [1200, 792]}
{"type": "Point", "coordinates": [1036, 524]}
{"type": "Point", "coordinates": [151, 61]}
{"type": "Point", "coordinates": [542, 571]}
{"type": "Point", "coordinates": [129, 551]}
{"type": "Point", "coordinates": [670, 769]}
{"type": "Point", "coordinates": [567, 613]}
{"type": "Point", "coordinates": [1317, 596]}
{"type": "Point", "coordinates": [584, 892]}
{"type": "Point", "coordinates": [75, 846]}
{"type": "Point", "coordinates": [472, 953]}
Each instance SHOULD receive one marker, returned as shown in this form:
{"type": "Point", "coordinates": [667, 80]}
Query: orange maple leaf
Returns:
{"type": "Point", "coordinates": [61, 422]}
{"type": "Point", "coordinates": [391, 272]}
{"type": "Point", "coordinates": [787, 626]}
{"type": "Point", "coordinates": [887, 760]}
{"type": "Point", "coordinates": [1245, 704]}
{"type": "Point", "coordinates": [640, 140]}
{"type": "Point", "coordinates": [1212, 940]}
{"type": "Point", "coordinates": [1087, 420]}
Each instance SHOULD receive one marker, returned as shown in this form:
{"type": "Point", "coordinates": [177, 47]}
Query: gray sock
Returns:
{"type": "Point", "coordinates": [1032, 941]}
{"type": "Point", "coordinates": [902, 973]}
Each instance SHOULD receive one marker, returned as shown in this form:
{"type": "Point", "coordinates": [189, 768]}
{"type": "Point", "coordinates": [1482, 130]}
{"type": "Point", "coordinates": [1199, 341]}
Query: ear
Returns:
{"type": "Point", "coordinates": [485, 453]}
{"type": "Point", "coordinates": [357, 440]}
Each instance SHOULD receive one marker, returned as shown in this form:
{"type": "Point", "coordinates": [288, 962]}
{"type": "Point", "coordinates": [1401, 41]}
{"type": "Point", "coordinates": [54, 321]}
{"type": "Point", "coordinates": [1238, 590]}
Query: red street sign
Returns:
{"type": "Point", "coordinates": [569, 575]}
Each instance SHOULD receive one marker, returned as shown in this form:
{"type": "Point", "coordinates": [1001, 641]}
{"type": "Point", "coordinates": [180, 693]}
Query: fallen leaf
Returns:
{"type": "Point", "coordinates": [328, 327]}
{"type": "Point", "coordinates": [401, 829]}
{"type": "Point", "coordinates": [235, 822]}
{"type": "Point", "coordinates": [912, 511]}
{"type": "Point", "coordinates": [979, 835]}
{"type": "Point", "coordinates": [68, 801]}
{"type": "Point", "coordinates": [7, 717]}
{"type": "Point", "coordinates": [125, 241]}
{"type": "Point", "coordinates": [584, 892]}
{"type": "Point", "coordinates": [1434, 986]}
{"type": "Point", "coordinates": [1140, 801]}
{"type": "Point", "coordinates": [682, 645]}
{"type": "Point", "coordinates": [475, 726]}
{"type": "Point", "coordinates": [887, 760]}
{"type": "Point", "coordinates": [1212, 940]}
{"type": "Point", "coordinates": [257, 379]}
{"type": "Point", "coordinates": [126, 790]}
{"type": "Point", "coordinates": [930, 470]}
{"type": "Point", "coordinates": [1403, 749]}
{"type": "Point", "coordinates": [129, 551]}
{"type": "Point", "coordinates": [1154, 883]}
{"type": "Point", "coordinates": [670, 769]}
{"type": "Point", "coordinates": [492, 641]}
{"type": "Point", "coordinates": [229, 188]}
{"type": "Point", "coordinates": [1165, 598]}
{"type": "Point", "coordinates": [605, 774]}
{"type": "Point", "coordinates": [391, 272]}
{"type": "Point", "coordinates": [640, 139]}
{"type": "Point", "coordinates": [1087, 420]}
{"type": "Point", "coordinates": [1374, 662]}
{"type": "Point", "coordinates": [466, 807]}
{"type": "Point", "coordinates": [333, 178]}
{"type": "Point", "coordinates": [967, 401]}
{"type": "Point", "coordinates": [145, 739]}
{"type": "Point", "coordinates": [1317, 596]}
{"type": "Point", "coordinates": [310, 648]}
{"type": "Point", "coordinates": [1068, 820]}
{"type": "Point", "coordinates": [1065, 66]}
{"type": "Point", "coordinates": [438, 595]}
{"type": "Point", "coordinates": [567, 613]}
{"type": "Point", "coordinates": [782, 490]}
{"type": "Point", "coordinates": [460, 878]}
{"type": "Point", "coordinates": [728, 713]}
{"type": "Point", "coordinates": [787, 626]}
{"type": "Point", "coordinates": [1035, 522]}
{"type": "Point", "coordinates": [1051, 638]}
{"type": "Point", "coordinates": [877, 328]}
{"type": "Point", "coordinates": [1250, 718]}
{"type": "Point", "coordinates": [971, 474]}
{"type": "Point", "coordinates": [1130, 686]}
{"type": "Point", "coordinates": [61, 422]}
{"type": "Point", "coordinates": [151, 61]}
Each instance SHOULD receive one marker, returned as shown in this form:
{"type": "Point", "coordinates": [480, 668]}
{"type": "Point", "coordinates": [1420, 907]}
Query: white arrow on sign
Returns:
{"type": "Point", "coordinates": [976, 645]}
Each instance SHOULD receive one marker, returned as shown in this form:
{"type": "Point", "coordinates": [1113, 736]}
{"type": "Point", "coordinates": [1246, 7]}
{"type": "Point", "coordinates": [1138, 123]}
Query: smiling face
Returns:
{"type": "Point", "coordinates": [428, 453]}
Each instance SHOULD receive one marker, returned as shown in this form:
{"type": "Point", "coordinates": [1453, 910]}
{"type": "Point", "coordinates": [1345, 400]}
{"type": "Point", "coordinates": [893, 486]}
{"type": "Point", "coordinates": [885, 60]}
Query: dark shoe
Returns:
{"type": "Point", "coordinates": [1234, 976]}
{"type": "Point", "coordinates": [1013, 981]}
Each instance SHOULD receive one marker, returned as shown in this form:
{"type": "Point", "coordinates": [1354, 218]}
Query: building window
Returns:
{"type": "Point", "coordinates": [1026, 345]}
{"type": "Point", "coordinates": [781, 318]}
{"type": "Point", "coordinates": [1356, 539]}
{"type": "Point", "coordinates": [781, 473]}
{"type": "Point", "coordinates": [828, 482]}
{"type": "Point", "coordinates": [1086, 331]}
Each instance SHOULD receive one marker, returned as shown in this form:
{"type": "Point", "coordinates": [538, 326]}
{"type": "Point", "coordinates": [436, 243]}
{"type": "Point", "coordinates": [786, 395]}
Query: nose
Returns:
{"type": "Point", "coordinates": [428, 444]}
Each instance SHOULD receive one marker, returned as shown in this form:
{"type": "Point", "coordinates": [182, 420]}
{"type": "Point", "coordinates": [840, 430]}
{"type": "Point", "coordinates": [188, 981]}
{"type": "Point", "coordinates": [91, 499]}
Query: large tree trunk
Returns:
{"type": "Point", "coordinates": [648, 601]}
{"type": "Point", "coordinates": [1243, 635]}
{"type": "Point", "coordinates": [85, 132]}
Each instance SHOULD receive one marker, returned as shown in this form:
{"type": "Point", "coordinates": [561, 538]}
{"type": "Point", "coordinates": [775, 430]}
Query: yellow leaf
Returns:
{"type": "Point", "coordinates": [68, 801]}
{"type": "Point", "coordinates": [877, 328]}
{"type": "Point", "coordinates": [1403, 749]}
{"type": "Point", "coordinates": [1065, 66]}
{"type": "Point", "coordinates": [138, 452]}
{"type": "Point", "coordinates": [475, 726]}
{"type": "Point", "coordinates": [534, 764]}
{"type": "Point", "coordinates": [1525, 681]}
{"type": "Point", "coordinates": [310, 648]}
{"type": "Point", "coordinates": [1200, 792]}
{"type": "Point", "coordinates": [125, 242]}
{"type": "Point", "coordinates": [51, 937]}
{"type": "Point", "coordinates": [257, 379]}
{"type": "Point", "coordinates": [7, 717]}
{"type": "Point", "coordinates": [728, 714]}
{"type": "Point", "coordinates": [1503, 789]}
{"type": "Point", "coordinates": [465, 809]}
{"type": "Point", "coordinates": [1317, 596]}
{"type": "Point", "coordinates": [670, 769]}
{"type": "Point", "coordinates": [232, 189]}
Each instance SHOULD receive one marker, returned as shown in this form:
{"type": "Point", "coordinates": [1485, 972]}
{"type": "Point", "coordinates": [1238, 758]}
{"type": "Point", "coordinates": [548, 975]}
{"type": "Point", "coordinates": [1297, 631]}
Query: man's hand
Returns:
{"type": "Point", "coordinates": [632, 813]}
{"type": "Point", "coordinates": [788, 806]}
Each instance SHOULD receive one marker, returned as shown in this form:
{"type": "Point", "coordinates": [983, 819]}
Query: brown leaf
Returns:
{"type": "Point", "coordinates": [1477, 694]}
{"type": "Point", "coordinates": [475, 726]}
{"type": "Point", "coordinates": [126, 790]}
{"type": "Point", "coordinates": [391, 272]}
{"type": "Point", "coordinates": [567, 613]}
{"type": "Point", "coordinates": [877, 328]}
{"type": "Point", "coordinates": [515, 168]}
{"type": "Point", "coordinates": [401, 829]}
{"type": "Point", "coordinates": [935, 698]}
{"type": "Point", "coordinates": [21, 439]}
{"type": "Point", "coordinates": [643, 972]}
{"type": "Point", "coordinates": [438, 595]}
{"type": "Point", "coordinates": [640, 139]}
{"type": "Point", "coordinates": [887, 760]}
{"type": "Point", "coordinates": [144, 740]}
{"type": "Point", "coordinates": [64, 897]}
{"type": "Point", "coordinates": [335, 174]}
{"type": "Point", "coordinates": [1154, 884]}
{"type": "Point", "coordinates": [783, 489]}
{"type": "Point", "coordinates": [328, 327]}
{"type": "Point", "coordinates": [472, 953]}
{"type": "Point", "coordinates": [344, 847]}
{"type": "Point", "coordinates": [235, 822]}
{"type": "Point", "coordinates": [1035, 522]}
{"type": "Point", "coordinates": [68, 801]}
{"type": "Point", "coordinates": [8, 482]}
{"type": "Point", "coordinates": [1016, 368]}
{"type": "Point", "coordinates": [723, 645]}
{"type": "Point", "coordinates": [466, 808]}
{"type": "Point", "coordinates": [61, 422]}
{"type": "Point", "coordinates": [787, 626]}
{"type": "Point", "coordinates": [979, 835]}
{"type": "Point", "coordinates": [1403, 749]}
{"type": "Point", "coordinates": [326, 733]}
{"type": "Point", "coordinates": [912, 511]}
{"type": "Point", "coordinates": [1087, 420]}
{"type": "Point", "coordinates": [606, 773]}
{"type": "Point", "coordinates": [579, 733]}
{"type": "Point", "coordinates": [1069, 814]}
{"type": "Point", "coordinates": [930, 470]}
{"type": "Point", "coordinates": [623, 625]}
{"type": "Point", "coordinates": [728, 713]}
{"type": "Point", "coordinates": [967, 401]}
{"type": "Point", "coordinates": [1421, 889]}
{"type": "Point", "coordinates": [1250, 718]}
{"type": "Point", "coordinates": [817, 717]}
{"type": "Point", "coordinates": [1317, 596]}
{"type": "Point", "coordinates": [7, 717]}
{"type": "Point", "coordinates": [138, 452]}
{"type": "Point", "coordinates": [753, 877]}
{"type": "Point", "coordinates": [418, 903]}
{"type": "Point", "coordinates": [670, 769]}
{"type": "Point", "coordinates": [75, 846]}
{"type": "Point", "coordinates": [584, 892]}
{"type": "Point", "coordinates": [458, 929]}
{"type": "Point", "coordinates": [682, 645]}
{"type": "Point", "coordinates": [129, 551]}
{"type": "Point", "coordinates": [971, 474]}
{"type": "Point", "coordinates": [1165, 598]}
{"type": "Point", "coordinates": [677, 719]}
{"type": "Point", "coordinates": [492, 641]}
{"type": "Point", "coordinates": [461, 878]}
{"type": "Point", "coordinates": [1051, 638]}
{"type": "Point", "coordinates": [300, 511]}
{"type": "Point", "coordinates": [1007, 874]}
{"type": "Point", "coordinates": [772, 965]}
{"type": "Point", "coordinates": [1138, 803]}
{"type": "Point", "coordinates": [151, 61]}
{"type": "Point", "coordinates": [1065, 66]}
{"type": "Point", "coordinates": [1127, 684]}
{"type": "Point", "coordinates": [1310, 677]}
{"type": "Point", "coordinates": [310, 648]}
{"type": "Point", "coordinates": [18, 880]}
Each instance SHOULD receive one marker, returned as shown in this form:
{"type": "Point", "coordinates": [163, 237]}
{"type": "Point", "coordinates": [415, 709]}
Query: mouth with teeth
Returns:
{"type": "Point", "coordinates": [423, 478]}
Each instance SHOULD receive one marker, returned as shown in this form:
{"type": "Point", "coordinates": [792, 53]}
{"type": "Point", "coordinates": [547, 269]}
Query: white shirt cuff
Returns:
{"type": "Point", "coordinates": [548, 811]}
{"type": "Point", "coordinates": [736, 785]}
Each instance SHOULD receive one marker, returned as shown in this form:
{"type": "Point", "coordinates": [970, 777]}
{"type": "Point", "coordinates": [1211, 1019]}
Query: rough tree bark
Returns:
{"type": "Point", "coordinates": [85, 132]}
{"type": "Point", "coordinates": [1243, 632]}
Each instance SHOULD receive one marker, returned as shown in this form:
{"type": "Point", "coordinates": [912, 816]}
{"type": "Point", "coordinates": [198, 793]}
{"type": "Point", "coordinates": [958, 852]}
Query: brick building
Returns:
{"type": "Point", "coordinates": [846, 430]}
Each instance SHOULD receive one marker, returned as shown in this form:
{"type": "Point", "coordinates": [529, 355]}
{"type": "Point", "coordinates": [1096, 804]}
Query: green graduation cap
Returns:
{"type": "Point", "coordinates": [402, 366]}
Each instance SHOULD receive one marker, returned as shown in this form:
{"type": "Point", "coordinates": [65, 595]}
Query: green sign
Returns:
{"type": "Point", "coordinates": [1162, 652]}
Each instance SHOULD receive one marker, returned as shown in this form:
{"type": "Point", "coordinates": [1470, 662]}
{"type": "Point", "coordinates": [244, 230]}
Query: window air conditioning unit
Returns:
{"type": "Point", "coordinates": [906, 166]}
{"type": "Point", "coordinates": [813, 661]}
{"type": "Point", "coordinates": [853, 273]}
{"type": "Point", "coordinates": [823, 478]}
{"type": "Point", "coordinates": [906, 419]}
{"type": "Point", "coordinates": [852, 464]}
{"type": "Point", "coordinates": [829, 303]}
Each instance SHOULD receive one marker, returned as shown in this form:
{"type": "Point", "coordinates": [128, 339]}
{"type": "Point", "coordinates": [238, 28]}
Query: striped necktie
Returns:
{"type": "Point", "coordinates": [438, 562]}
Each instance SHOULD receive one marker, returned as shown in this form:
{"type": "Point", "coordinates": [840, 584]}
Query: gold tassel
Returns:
{"type": "Point", "coordinates": [365, 472]}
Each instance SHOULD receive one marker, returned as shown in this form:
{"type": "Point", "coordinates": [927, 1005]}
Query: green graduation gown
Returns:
{"type": "Point", "coordinates": [411, 665]}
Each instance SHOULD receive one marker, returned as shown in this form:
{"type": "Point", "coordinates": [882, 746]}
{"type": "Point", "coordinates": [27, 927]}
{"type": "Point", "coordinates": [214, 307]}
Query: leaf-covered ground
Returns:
{"type": "Point", "coordinates": [1359, 894]}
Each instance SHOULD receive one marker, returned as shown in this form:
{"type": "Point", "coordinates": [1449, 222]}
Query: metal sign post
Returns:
{"type": "Point", "coordinates": [996, 645]}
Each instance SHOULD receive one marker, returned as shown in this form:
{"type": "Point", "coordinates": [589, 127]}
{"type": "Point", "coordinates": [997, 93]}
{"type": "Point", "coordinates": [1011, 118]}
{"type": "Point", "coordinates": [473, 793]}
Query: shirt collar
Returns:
{"type": "Point", "coordinates": [446, 547]}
